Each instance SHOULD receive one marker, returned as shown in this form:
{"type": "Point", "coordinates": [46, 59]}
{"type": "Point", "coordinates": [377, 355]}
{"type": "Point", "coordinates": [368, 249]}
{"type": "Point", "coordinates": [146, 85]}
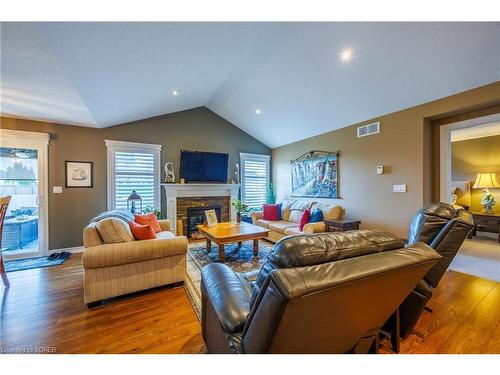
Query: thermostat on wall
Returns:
{"type": "Point", "coordinates": [380, 169]}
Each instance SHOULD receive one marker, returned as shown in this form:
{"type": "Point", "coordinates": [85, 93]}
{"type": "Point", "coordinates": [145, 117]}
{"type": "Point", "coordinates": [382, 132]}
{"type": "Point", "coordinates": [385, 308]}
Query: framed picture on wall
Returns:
{"type": "Point", "coordinates": [315, 176]}
{"type": "Point", "coordinates": [79, 174]}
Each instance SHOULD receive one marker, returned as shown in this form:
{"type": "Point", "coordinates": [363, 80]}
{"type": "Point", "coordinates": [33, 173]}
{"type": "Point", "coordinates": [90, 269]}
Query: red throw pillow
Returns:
{"type": "Point", "coordinates": [304, 219]}
{"type": "Point", "coordinates": [142, 232]}
{"type": "Point", "coordinates": [271, 212]}
{"type": "Point", "coordinates": [149, 219]}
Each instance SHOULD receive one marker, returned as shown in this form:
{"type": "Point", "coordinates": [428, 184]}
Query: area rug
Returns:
{"type": "Point", "coordinates": [29, 263]}
{"type": "Point", "coordinates": [240, 259]}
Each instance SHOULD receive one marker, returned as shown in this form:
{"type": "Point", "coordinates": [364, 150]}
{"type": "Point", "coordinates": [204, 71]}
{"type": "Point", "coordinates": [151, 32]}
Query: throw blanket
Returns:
{"type": "Point", "coordinates": [121, 214]}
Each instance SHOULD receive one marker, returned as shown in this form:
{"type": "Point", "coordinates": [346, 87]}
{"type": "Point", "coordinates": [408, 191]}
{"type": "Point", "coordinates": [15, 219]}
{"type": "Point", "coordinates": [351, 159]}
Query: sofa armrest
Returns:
{"type": "Point", "coordinates": [164, 224]}
{"type": "Point", "coordinates": [227, 295]}
{"type": "Point", "coordinates": [255, 215]}
{"type": "Point", "coordinates": [311, 228]}
{"type": "Point", "coordinates": [113, 254]}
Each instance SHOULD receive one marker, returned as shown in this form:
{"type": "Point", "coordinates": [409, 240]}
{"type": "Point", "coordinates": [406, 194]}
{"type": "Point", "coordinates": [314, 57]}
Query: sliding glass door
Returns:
{"type": "Point", "coordinates": [23, 177]}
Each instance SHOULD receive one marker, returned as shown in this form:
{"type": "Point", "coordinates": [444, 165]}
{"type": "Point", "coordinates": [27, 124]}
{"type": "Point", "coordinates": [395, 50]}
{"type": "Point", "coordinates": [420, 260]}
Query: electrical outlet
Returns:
{"type": "Point", "coordinates": [399, 188]}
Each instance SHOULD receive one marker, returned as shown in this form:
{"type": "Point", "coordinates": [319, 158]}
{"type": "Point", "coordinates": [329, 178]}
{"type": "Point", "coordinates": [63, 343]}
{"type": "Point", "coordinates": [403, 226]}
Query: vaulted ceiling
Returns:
{"type": "Point", "coordinates": [104, 74]}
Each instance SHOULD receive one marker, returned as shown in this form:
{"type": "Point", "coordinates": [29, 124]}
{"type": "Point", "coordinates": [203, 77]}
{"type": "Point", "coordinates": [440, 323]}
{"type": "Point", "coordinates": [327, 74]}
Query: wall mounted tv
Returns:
{"type": "Point", "coordinates": [197, 166]}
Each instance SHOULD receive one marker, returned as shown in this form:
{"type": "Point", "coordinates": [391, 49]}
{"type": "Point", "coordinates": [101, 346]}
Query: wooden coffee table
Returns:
{"type": "Point", "coordinates": [223, 233]}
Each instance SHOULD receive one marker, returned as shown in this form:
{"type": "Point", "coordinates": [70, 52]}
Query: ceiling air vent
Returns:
{"type": "Point", "coordinates": [369, 129]}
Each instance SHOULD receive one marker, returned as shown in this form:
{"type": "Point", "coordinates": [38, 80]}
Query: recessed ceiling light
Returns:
{"type": "Point", "coordinates": [257, 111]}
{"type": "Point", "coordinates": [175, 93]}
{"type": "Point", "coordinates": [346, 55]}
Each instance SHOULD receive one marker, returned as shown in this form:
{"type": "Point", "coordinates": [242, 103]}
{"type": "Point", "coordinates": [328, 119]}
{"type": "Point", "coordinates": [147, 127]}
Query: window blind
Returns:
{"type": "Point", "coordinates": [134, 171]}
{"type": "Point", "coordinates": [254, 179]}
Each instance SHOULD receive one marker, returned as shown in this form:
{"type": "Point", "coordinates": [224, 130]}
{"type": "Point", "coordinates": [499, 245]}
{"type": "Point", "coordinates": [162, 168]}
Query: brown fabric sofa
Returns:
{"type": "Point", "coordinates": [114, 269]}
{"type": "Point", "coordinates": [291, 211]}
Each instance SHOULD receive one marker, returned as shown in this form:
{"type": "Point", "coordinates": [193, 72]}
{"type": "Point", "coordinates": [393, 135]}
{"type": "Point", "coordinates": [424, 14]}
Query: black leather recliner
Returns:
{"type": "Point", "coordinates": [322, 293]}
{"type": "Point", "coordinates": [443, 228]}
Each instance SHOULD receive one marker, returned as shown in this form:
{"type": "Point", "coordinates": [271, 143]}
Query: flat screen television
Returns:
{"type": "Point", "coordinates": [197, 166]}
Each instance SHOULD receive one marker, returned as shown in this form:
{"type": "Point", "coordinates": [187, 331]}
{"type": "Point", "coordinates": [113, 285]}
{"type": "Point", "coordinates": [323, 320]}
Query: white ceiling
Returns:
{"type": "Point", "coordinates": [479, 131]}
{"type": "Point", "coordinates": [104, 74]}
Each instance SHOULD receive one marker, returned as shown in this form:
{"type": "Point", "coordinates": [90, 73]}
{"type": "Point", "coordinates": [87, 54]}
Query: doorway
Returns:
{"type": "Point", "coordinates": [470, 150]}
{"type": "Point", "coordinates": [23, 175]}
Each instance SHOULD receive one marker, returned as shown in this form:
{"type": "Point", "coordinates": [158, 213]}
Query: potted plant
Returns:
{"type": "Point", "coordinates": [239, 207]}
{"type": "Point", "coordinates": [159, 215]}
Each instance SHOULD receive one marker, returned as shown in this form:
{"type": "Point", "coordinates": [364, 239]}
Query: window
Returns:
{"type": "Point", "coordinates": [254, 179]}
{"type": "Point", "coordinates": [133, 166]}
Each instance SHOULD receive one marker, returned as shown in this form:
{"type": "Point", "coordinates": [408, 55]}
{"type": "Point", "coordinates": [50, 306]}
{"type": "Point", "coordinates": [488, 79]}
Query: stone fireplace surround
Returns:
{"type": "Point", "coordinates": [181, 196]}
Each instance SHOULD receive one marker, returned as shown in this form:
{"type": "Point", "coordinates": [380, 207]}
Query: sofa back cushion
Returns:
{"type": "Point", "coordinates": [285, 209]}
{"type": "Point", "coordinates": [297, 209]}
{"type": "Point", "coordinates": [114, 230]}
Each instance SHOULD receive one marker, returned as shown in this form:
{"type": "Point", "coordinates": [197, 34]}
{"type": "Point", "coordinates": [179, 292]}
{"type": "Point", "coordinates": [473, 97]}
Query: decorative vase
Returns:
{"type": "Point", "coordinates": [238, 217]}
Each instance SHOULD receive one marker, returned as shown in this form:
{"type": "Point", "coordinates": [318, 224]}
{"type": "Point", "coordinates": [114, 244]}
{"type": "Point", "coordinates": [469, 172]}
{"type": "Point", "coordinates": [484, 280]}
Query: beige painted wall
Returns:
{"type": "Point", "coordinates": [473, 156]}
{"type": "Point", "coordinates": [196, 129]}
{"type": "Point", "coordinates": [402, 147]}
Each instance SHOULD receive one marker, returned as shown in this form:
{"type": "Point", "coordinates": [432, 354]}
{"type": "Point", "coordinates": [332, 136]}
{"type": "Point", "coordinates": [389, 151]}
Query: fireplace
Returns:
{"type": "Point", "coordinates": [196, 216]}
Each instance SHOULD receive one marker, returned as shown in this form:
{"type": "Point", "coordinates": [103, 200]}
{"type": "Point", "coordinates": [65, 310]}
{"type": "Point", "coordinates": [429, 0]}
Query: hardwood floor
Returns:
{"type": "Point", "coordinates": [44, 308]}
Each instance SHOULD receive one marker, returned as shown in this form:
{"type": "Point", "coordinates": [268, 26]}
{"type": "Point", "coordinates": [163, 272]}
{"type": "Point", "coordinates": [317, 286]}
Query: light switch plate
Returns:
{"type": "Point", "coordinates": [399, 188]}
{"type": "Point", "coordinates": [57, 189]}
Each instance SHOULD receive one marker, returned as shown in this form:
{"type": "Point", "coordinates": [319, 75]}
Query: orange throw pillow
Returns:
{"type": "Point", "coordinates": [142, 232]}
{"type": "Point", "coordinates": [148, 219]}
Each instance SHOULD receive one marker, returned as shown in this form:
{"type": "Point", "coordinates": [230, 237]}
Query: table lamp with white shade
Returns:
{"type": "Point", "coordinates": [487, 181]}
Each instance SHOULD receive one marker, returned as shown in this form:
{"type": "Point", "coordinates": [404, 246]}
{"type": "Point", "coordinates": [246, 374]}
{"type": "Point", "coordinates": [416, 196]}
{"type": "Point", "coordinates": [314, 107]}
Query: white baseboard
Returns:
{"type": "Point", "coordinates": [76, 249]}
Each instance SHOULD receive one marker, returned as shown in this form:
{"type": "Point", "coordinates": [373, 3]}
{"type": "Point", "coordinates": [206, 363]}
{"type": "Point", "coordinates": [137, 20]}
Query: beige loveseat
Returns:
{"type": "Point", "coordinates": [291, 211]}
{"type": "Point", "coordinates": [113, 269]}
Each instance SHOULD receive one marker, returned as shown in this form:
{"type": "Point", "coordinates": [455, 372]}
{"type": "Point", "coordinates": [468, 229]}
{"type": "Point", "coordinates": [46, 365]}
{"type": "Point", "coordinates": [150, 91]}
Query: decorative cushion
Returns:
{"type": "Point", "coordinates": [316, 216]}
{"type": "Point", "coordinates": [271, 212]}
{"type": "Point", "coordinates": [280, 217]}
{"type": "Point", "coordinates": [114, 230]}
{"type": "Point", "coordinates": [142, 232]}
{"type": "Point", "coordinates": [304, 219]}
{"type": "Point", "coordinates": [330, 211]}
{"type": "Point", "coordinates": [149, 219]}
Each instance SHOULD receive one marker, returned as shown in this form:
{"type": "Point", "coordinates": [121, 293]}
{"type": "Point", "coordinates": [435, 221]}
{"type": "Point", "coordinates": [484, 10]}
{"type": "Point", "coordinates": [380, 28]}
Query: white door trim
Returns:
{"type": "Point", "coordinates": [445, 150]}
{"type": "Point", "coordinates": [39, 141]}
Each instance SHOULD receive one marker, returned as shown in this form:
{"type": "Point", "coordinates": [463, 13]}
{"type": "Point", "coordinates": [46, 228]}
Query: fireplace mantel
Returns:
{"type": "Point", "coordinates": [173, 191]}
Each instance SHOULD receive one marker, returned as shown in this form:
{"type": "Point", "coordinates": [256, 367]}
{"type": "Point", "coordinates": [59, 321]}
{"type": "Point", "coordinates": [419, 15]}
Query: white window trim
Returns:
{"type": "Point", "coordinates": [259, 157]}
{"type": "Point", "coordinates": [114, 146]}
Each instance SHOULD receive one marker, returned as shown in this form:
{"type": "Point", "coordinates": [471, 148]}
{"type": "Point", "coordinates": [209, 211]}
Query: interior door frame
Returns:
{"type": "Point", "coordinates": [40, 142]}
{"type": "Point", "coordinates": [445, 150]}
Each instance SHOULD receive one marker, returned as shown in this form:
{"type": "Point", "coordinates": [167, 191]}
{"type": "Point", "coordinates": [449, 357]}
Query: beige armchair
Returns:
{"type": "Point", "coordinates": [113, 269]}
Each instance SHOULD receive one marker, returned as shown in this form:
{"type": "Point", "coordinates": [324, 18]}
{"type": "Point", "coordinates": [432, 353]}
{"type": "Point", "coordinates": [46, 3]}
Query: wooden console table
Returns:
{"type": "Point", "coordinates": [486, 223]}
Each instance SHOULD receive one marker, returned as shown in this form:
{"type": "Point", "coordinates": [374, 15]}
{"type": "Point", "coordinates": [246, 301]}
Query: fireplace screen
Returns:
{"type": "Point", "coordinates": [196, 216]}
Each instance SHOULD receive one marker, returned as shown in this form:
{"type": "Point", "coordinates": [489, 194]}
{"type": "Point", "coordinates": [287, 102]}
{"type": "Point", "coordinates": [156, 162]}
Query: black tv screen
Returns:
{"type": "Point", "coordinates": [204, 166]}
